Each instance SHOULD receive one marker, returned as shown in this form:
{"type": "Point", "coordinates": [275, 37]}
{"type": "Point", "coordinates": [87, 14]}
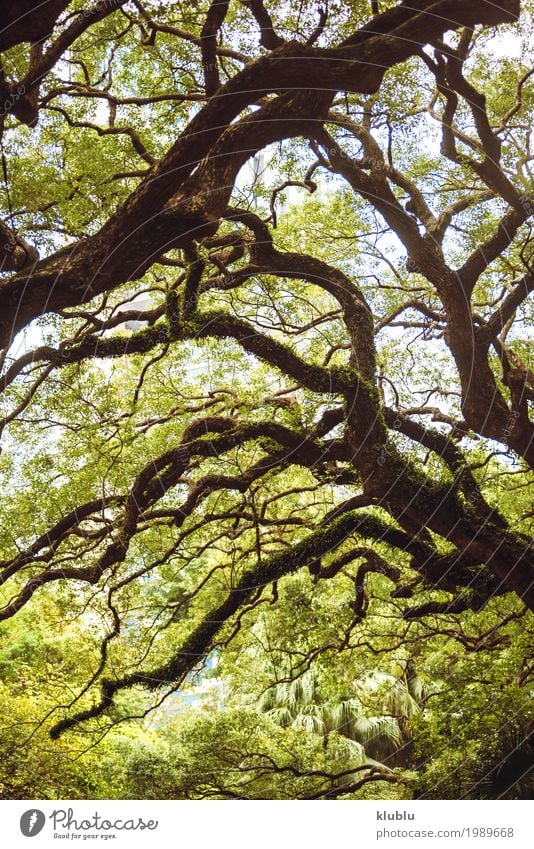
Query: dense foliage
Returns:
{"type": "Point", "coordinates": [265, 378]}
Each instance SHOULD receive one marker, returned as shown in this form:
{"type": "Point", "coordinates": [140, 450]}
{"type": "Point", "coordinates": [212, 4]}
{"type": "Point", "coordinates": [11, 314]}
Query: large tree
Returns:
{"type": "Point", "coordinates": [265, 278]}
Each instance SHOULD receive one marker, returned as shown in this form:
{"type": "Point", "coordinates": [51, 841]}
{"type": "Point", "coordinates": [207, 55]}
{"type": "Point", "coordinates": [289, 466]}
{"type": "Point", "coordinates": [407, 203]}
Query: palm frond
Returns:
{"type": "Point", "coordinates": [375, 732]}
{"type": "Point", "coordinates": [343, 715]}
{"type": "Point", "coordinates": [302, 690]}
{"type": "Point", "coordinates": [348, 751]}
{"type": "Point", "coordinates": [309, 722]}
{"type": "Point", "coordinates": [416, 688]}
{"type": "Point", "coordinates": [282, 716]}
{"type": "Point", "coordinates": [392, 693]}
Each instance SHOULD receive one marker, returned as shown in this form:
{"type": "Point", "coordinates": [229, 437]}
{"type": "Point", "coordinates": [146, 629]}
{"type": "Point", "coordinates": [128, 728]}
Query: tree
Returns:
{"type": "Point", "coordinates": [265, 279]}
{"type": "Point", "coordinates": [298, 704]}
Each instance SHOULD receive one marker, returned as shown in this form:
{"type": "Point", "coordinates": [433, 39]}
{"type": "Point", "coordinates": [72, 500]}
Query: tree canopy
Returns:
{"type": "Point", "coordinates": [265, 371]}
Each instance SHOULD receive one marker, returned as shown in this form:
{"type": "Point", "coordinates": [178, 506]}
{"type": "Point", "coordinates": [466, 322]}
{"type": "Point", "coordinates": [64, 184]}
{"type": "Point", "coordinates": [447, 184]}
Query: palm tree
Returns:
{"type": "Point", "coordinates": [380, 737]}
